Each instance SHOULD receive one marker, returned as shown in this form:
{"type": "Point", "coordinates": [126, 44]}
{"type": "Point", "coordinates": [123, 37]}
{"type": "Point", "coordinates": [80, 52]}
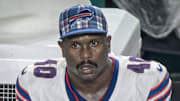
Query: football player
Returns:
{"type": "Point", "coordinates": [87, 72]}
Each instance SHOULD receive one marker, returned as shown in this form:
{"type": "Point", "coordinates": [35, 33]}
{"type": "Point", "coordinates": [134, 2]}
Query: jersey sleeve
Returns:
{"type": "Point", "coordinates": [22, 89]}
{"type": "Point", "coordinates": [161, 89]}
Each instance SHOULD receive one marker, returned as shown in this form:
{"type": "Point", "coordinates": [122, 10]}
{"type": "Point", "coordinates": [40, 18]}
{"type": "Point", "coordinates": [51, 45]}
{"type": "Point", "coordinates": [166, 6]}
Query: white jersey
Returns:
{"type": "Point", "coordinates": [133, 80]}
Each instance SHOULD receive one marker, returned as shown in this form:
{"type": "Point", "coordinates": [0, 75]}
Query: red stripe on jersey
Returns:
{"type": "Point", "coordinates": [19, 94]}
{"type": "Point", "coordinates": [161, 97]}
{"type": "Point", "coordinates": [159, 86]}
{"type": "Point", "coordinates": [68, 82]}
{"type": "Point", "coordinates": [160, 82]}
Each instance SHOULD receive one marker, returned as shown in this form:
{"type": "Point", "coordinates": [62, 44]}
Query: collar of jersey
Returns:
{"type": "Point", "coordinates": [75, 96]}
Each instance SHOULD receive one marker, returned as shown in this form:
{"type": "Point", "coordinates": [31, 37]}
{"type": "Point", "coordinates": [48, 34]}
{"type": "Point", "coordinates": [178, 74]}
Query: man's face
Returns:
{"type": "Point", "coordinates": [86, 55]}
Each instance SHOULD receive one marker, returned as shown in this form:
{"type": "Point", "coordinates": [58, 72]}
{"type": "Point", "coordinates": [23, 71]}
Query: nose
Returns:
{"type": "Point", "coordinates": [86, 52]}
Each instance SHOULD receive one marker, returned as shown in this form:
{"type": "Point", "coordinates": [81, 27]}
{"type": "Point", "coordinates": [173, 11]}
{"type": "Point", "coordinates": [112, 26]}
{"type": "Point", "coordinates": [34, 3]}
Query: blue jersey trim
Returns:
{"type": "Point", "coordinates": [69, 93]}
{"type": "Point", "coordinates": [113, 82]}
{"type": "Point", "coordinates": [166, 95]}
{"type": "Point", "coordinates": [157, 90]}
{"type": "Point", "coordinates": [21, 91]}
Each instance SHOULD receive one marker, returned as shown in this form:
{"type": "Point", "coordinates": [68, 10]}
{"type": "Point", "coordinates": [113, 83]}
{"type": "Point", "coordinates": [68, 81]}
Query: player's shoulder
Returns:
{"type": "Point", "coordinates": [43, 69]}
{"type": "Point", "coordinates": [151, 76]}
{"type": "Point", "coordinates": [41, 74]}
{"type": "Point", "coordinates": [141, 66]}
{"type": "Point", "coordinates": [144, 71]}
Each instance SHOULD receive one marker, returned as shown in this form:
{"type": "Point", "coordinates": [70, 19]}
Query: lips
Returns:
{"type": "Point", "coordinates": [86, 69]}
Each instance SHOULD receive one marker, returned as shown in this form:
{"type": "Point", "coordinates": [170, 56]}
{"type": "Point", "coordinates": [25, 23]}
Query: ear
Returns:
{"type": "Point", "coordinates": [109, 43]}
{"type": "Point", "coordinates": [61, 45]}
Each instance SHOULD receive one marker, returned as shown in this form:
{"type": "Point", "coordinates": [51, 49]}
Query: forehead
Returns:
{"type": "Point", "coordinates": [85, 37]}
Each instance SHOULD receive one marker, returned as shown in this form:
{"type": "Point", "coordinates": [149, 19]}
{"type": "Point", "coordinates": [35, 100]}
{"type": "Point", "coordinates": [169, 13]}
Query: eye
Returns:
{"type": "Point", "coordinates": [93, 43]}
{"type": "Point", "coordinates": [75, 45]}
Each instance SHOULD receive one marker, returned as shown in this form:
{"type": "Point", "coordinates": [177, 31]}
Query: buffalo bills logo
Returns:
{"type": "Point", "coordinates": [82, 16]}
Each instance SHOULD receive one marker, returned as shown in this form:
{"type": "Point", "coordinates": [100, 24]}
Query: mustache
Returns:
{"type": "Point", "coordinates": [86, 62]}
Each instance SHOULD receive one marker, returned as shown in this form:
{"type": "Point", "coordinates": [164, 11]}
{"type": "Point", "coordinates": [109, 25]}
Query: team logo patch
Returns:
{"type": "Point", "coordinates": [83, 15]}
